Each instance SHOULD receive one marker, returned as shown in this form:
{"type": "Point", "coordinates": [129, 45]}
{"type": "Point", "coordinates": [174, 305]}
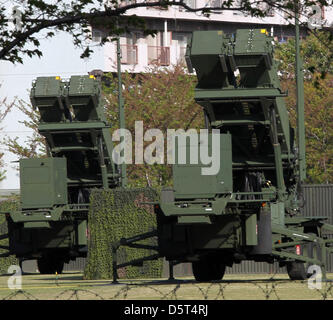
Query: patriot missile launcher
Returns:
{"type": "Point", "coordinates": [251, 208]}
{"type": "Point", "coordinates": [51, 223]}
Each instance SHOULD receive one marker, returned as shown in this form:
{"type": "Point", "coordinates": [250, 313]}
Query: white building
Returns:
{"type": "Point", "coordinates": [175, 26]}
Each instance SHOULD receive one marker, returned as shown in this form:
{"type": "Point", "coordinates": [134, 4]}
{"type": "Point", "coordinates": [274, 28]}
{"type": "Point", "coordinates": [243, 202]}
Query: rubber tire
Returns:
{"type": "Point", "coordinates": [59, 266]}
{"type": "Point", "coordinates": [204, 270]}
{"type": "Point", "coordinates": [50, 265]}
{"type": "Point", "coordinates": [296, 270]}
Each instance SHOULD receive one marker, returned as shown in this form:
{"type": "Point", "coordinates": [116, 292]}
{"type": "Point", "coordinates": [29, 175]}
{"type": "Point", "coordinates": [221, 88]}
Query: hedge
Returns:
{"type": "Point", "coordinates": [115, 214]}
{"type": "Point", "coordinates": [6, 205]}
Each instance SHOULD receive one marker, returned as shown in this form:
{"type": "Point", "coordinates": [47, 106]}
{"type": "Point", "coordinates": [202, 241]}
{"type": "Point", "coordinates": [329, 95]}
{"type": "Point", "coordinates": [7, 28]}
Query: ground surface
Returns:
{"type": "Point", "coordinates": [69, 286]}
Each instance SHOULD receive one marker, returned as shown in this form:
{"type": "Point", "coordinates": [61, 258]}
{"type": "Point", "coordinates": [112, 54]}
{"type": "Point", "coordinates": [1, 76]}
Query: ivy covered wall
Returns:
{"type": "Point", "coordinates": [6, 205]}
{"type": "Point", "coordinates": [116, 214]}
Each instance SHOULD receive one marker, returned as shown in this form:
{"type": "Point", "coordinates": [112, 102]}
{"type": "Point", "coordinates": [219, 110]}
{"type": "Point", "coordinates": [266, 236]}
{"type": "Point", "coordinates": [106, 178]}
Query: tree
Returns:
{"type": "Point", "coordinates": [319, 129]}
{"type": "Point", "coordinates": [35, 145]}
{"type": "Point", "coordinates": [163, 99]}
{"type": "Point", "coordinates": [5, 108]}
{"type": "Point", "coordinates": [316, 52]}
{"type": "Point", "coordinates": [318, 101]}
{"type": "Point", "coordinates": [76, 17]}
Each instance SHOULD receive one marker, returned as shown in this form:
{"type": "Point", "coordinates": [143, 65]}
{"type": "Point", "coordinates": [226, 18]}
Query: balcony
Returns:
{"type": "Point", "coordinates": [136, 58]}
{"type": "Point", "coordinates": [159, 55]}
{"type": "Point", "coordinates": [129, 54]}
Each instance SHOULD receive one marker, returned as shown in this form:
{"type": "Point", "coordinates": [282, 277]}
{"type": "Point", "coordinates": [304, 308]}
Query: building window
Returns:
{"type": "Point", "coordinates": [215, 3]}
{"type": "Point", "coordinates": [129, 54]}
{"type": "Point", "coordinates": [159, 55]}
{"type": "Point", "coordinates": [266, 8]}
{"type": "Point", "coordinates": [237, 4]}
{"type": "Point", "coordinates": [269, 10]}
{"type": "Point", "coordinates": [123, 3]}
{"type": "Point", "coordinates": [190, 3]}
{"type": "Point", "coordinates": [182, 52]}
{"type": "Point", "coordinates": [181, 39]}
{"type": "Point", "coordinates": [128, 48]}
{"type": "Point", "coordinates": [96, 35]}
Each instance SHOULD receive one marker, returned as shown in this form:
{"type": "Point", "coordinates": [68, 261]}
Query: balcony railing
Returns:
{"type": "Point", "coordinates": [129, 54]}
{"type": "Point", "coordinates": [159, 55]}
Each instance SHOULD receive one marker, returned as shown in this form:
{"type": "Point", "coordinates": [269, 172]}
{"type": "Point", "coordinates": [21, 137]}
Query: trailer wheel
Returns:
{"type": "Point", "coordinates": [205, 270]}
{"type": "Point", "coordinates": [59, 266]}
{"type": "Point", "coordinates": [50, 264]}
{"type": "Point", "coordinates": [296, 270]}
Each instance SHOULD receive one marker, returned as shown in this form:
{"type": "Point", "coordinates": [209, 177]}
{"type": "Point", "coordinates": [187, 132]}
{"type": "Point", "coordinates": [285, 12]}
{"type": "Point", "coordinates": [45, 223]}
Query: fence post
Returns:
{"type": "Point", "coordinates": [171, 265]}
{"type": "Point", "coordinates": [114, 263]}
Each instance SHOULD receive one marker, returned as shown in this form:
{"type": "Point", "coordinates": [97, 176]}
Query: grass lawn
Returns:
{"type": "Point", "coordinates": [233, 287]}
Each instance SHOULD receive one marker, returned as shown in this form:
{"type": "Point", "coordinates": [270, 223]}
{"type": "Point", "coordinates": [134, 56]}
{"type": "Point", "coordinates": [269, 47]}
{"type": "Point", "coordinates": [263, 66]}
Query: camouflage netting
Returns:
{"type": "Point", "coordinates": [116, 214]}
{"type": "Point", "coordinates": [6, 205]}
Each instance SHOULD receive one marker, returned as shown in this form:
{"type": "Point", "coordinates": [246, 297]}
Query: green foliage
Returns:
{"type": "Point", "coordinates": [2, 171]}
{"type": "Point", "coordinates": [317, 53]}
{"type": "Point", "coordinates": [35, 145]}
{"type": "Point", "coordinates": [5, 108]}
{"type": "Point", "coordinates": [116, 214]}
{"type": "Point", "coordinates": [161, 98]}
{"type": "Point", "coordinates": [319, 129]}
{"type": "Point", "coordinates": [6, 205]}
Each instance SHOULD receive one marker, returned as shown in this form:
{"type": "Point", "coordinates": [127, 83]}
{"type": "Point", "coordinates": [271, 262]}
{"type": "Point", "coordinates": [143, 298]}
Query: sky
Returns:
{"type": "Point", "coordinates": [60, 58]}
